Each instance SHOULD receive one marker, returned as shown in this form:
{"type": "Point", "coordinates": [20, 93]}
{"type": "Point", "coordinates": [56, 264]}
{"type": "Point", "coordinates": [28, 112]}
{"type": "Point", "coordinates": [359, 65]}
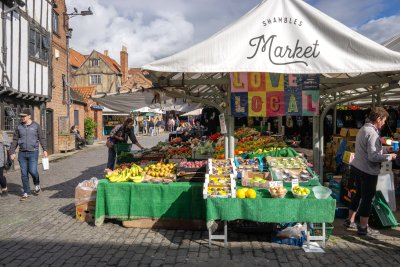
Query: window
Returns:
{"type": "Point", "coordinates": [10, 118]}
{"type": "Point", "coordinates": [94, 62]}
{"type": "Point", "coordinates": [95, 79]}
{"type": "Point", "coordinates": [76, 117]}
{"type": "Point", "coordinates": [39, 45]}
{"type": "Point", "coordinates": [55, 22]}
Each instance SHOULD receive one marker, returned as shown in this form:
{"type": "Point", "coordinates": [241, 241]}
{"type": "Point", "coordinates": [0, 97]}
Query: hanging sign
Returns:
{"type": "Point", "coordinates": [258, 94]}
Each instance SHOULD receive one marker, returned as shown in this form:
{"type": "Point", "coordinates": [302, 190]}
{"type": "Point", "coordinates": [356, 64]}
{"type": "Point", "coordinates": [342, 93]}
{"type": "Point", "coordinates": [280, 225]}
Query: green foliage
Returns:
{"type": "Point", "coordinates": [90, 126]}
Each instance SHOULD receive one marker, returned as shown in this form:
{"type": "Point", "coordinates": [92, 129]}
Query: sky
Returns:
{"type": "Point", "coordinates": [154, 29]}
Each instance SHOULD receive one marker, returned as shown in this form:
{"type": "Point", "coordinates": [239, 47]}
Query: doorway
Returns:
{"type": "Point", "coordinates": [49, 131]}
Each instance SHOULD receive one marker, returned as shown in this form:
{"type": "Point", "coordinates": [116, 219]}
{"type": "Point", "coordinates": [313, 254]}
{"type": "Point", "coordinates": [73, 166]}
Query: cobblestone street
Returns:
{"type": "Point", "coordinates": [43, 232]}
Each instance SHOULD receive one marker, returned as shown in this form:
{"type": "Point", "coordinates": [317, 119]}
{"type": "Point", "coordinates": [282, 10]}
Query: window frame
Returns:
{"type": "Point", "coordinates": [95, 81]}
{"type": "Point", "coordinates": [92, 60]}
{"type": "Point", "coordinates": [76, 117]}
{"type": "Point", "coordinates": [55, 23]}
{"type": "Point", "coordinates": [38, 45]}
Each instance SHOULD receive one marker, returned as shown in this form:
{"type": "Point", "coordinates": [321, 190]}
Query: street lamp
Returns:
{"type": "Point", "coordinates": [87, 12]}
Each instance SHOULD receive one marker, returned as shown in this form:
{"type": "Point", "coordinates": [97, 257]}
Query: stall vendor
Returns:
{"type": "Point", "coordinates": [120, 134]}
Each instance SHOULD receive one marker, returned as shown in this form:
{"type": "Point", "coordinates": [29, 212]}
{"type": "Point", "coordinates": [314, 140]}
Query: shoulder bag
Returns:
{"type": "Point", "coordinates": [7, 160]}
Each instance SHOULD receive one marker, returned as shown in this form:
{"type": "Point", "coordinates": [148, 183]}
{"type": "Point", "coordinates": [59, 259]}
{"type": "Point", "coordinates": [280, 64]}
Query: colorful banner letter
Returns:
{"type": "Point", "coordinates": [239, 103]}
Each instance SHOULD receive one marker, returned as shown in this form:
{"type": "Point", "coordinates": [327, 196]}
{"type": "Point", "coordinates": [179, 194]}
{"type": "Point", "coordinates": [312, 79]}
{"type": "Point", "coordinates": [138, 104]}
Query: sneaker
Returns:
{"type": "Point", "coordinates": [366, 231]}
{"type": "Point", "coordinates": [37, 189]}
{"type": "Point", "coordinates": [24, 197]}
{"type": "Point", "coordinates": [349, 225]}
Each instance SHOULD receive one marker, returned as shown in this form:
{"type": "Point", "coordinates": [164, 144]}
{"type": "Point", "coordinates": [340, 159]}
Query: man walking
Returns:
{"type": "Point", "coordinates": [27, 136]}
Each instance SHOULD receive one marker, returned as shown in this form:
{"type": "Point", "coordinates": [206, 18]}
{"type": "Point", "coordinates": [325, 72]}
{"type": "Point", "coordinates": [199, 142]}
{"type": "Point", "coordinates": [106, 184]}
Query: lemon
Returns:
{"type": "Point", "coordinates": [251, 193]}
{"type": "Point", "coordinates": [241, 193]}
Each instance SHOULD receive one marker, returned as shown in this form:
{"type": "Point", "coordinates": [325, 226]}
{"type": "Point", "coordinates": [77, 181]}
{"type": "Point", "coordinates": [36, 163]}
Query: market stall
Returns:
{"type": "Point", "coordinates": [207, 73]}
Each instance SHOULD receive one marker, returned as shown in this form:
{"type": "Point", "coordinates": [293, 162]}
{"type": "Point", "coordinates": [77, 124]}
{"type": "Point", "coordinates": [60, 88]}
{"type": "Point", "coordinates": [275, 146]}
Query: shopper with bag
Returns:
{"type": "Point", "coordinates": [5, 161]}
{"type": "Point", "coordinates": [27, 136]}
{"type": "Point", "coordinates": [120, 134]}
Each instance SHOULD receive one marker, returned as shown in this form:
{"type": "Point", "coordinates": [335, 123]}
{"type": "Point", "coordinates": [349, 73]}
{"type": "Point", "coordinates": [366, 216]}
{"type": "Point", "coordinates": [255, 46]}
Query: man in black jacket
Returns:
{"type": "Point", "coordinates": [27, 136]}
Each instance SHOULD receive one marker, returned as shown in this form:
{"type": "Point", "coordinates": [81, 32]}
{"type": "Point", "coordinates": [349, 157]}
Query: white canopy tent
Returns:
{"type": "Point", "coordinates": [280, 36]}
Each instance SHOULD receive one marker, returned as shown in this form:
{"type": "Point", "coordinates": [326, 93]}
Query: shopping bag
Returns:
{"type": "Point", "coordinates": [110, 142]}
{"type": "Point", "coordinates": [45, 163]}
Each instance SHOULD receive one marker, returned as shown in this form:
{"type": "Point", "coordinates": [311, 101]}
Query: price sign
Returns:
{"type": "Point", "coordinates": [275, 184]}
{"type": "Point", "coordinates": [295, 182]}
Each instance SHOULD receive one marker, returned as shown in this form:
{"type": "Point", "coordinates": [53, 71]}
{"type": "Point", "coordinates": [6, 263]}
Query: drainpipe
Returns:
{"type": "Point", "coordinates": [320, 144]}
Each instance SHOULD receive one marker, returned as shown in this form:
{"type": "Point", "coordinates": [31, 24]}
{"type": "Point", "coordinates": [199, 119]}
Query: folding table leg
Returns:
{"type": "Point", "coordinates": [323, 235]}
{"type": "Point", "coordinates": [225, 233]}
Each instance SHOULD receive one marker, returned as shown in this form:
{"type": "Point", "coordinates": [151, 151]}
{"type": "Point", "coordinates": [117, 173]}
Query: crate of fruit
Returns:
{"type": "Point", "coordinates": [221, 166]}
{"type": "Point", "coordinates": [220, 187]}
{"type": "Point", "coordinates": [256, 179]}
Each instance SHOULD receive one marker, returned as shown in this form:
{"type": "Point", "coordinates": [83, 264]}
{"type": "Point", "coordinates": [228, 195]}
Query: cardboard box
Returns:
{"type": "Point", "coordinates": [86, 212]}
{"type": "Point", "coordinates": [84, 194]}
{"type": "Point", "coordinates": [351, 146]}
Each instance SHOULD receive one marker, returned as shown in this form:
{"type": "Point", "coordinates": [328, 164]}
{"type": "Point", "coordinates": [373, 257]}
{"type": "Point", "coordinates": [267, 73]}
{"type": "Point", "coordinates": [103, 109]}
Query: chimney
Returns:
{"type": "Point", "coordinates": [106, 53]}
{"type": "Point", "coordinates": [124, 63]}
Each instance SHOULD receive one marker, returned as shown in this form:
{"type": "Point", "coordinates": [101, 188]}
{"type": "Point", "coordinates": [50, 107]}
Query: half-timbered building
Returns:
{"type": "Point", "coordinates": [25, 59]}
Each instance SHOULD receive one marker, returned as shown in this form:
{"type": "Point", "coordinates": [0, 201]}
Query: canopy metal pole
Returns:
{"type": "Point", "coordinates": [315, 138]}
{"type": "Point", "coordinates": [333, 104]}
{"type": "Point", "coordinates": [230, 124]}
{"type": "Point", "coordinates": [334, 115]}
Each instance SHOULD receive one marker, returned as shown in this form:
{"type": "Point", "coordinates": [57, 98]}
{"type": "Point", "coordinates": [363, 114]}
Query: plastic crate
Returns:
{"type": "Point", "coordinates": [382, 216]}
{"type": "Point", "coordinates": [288, 241]}
{"type": "Point", "coordinates": [341, 212]}
{"type": "Point", "coordinates": [316, 229]}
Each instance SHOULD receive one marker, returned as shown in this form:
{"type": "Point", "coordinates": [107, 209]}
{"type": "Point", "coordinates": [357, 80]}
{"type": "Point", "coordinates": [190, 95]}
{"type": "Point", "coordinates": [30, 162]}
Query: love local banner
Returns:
{"type": "Point", "coordinates": [256, 94]}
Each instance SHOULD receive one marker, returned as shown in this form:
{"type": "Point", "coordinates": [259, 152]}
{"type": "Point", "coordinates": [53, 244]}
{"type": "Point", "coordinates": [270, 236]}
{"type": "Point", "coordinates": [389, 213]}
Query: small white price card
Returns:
{"type": "Point", "coordinates": [295, 182]}
{"type": "Point", "coordinates": [279, 183]}
{"type": "Point", "coordinates": [272, 184]}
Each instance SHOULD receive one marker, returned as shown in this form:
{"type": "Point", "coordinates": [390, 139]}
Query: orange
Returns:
{"type": "Point", "coordinates": [251, 193]}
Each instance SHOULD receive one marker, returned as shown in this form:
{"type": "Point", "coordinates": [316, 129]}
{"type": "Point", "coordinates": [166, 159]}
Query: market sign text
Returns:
{"type": "Point", "coordinates": [256, 94]}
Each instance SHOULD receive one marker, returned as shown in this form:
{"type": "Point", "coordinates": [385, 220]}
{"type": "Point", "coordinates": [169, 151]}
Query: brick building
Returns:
{"type": "Point", "coordinates": [57, 106]}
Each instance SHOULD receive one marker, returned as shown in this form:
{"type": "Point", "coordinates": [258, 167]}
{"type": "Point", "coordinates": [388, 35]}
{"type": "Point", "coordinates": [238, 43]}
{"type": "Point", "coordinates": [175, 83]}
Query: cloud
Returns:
{"type": "Point", "coordinates": [381, 29]}
{"type": "Point", "coordinates": [153, 29]}
{"type": "Point", "coordinates": [351, 13]}
{"type": "Point", "coordinates": [165, 34]}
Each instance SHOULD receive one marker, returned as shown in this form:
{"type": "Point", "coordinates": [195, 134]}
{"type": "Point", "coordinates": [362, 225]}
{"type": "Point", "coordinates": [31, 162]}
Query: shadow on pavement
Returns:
{"type": "Point", "coordinates": [67, 188]}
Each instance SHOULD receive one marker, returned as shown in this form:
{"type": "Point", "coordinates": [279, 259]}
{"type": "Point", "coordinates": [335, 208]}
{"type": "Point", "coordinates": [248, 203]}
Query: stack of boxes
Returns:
{"type": "Point", "coordinates": [348, 134]}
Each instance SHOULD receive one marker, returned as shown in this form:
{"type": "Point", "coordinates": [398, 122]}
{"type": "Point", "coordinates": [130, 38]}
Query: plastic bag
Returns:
{"type": "Point", "coordinates": [291, 232]}
{"type": "Point", "coordinates": [45, 164]}
{"type": "Point", "coordinates": [85, 191]}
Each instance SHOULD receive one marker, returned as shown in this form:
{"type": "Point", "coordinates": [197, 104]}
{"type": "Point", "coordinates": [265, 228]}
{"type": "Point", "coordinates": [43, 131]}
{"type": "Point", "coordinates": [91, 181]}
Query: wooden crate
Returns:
{"type": "Point", "coordinates": [66, 142]}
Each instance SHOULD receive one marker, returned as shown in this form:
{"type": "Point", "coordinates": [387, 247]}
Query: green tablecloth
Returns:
{"type": "Point", "coordinates": [276, 210]}
{"type": "Point", "coordinates": [128, 201]}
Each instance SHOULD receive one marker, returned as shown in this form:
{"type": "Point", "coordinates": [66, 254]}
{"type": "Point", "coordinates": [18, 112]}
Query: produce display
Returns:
{"type": "Point", "coordinates": [193, 164]}
{"type": "Point", "coordinates": [219, 186]}
{"type": "Point", "coordinates": [300, 192]}
{"type": "Point", "coordinates": [246, 193]}
{"type": "Point", "coordinates": [255, 179]}
{"type": "Point", "coordinates": [126, 173]}
{"type": "Point", "coordinates": [179, 152]}
{"type": "Point", "coordinates": [221, 166]}
{"type": "Point", "coordinates": [278, 192]}
{"type": "Point", "coordinates": [247, 164]}
{"type": "Point", "coordinates": [287, 163]}
{"type": "Point", "coordinates": [206, 148]}
{"type": "Point", "coordinates": [160, 169]}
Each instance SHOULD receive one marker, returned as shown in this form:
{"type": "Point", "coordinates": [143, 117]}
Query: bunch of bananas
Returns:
{"type": "Point", "coordinates": [134, 174]}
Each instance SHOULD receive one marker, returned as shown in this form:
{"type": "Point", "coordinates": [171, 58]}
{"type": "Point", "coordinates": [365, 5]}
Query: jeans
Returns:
{"type": "Point", "coordinates": [111, 158]}
{"type": "Point", "coordinates": [28, 161]}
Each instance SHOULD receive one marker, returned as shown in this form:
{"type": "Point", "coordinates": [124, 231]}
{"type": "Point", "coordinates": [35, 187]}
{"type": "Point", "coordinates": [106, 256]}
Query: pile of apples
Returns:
{"type": "Point", "coordinates": [193, 164]}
